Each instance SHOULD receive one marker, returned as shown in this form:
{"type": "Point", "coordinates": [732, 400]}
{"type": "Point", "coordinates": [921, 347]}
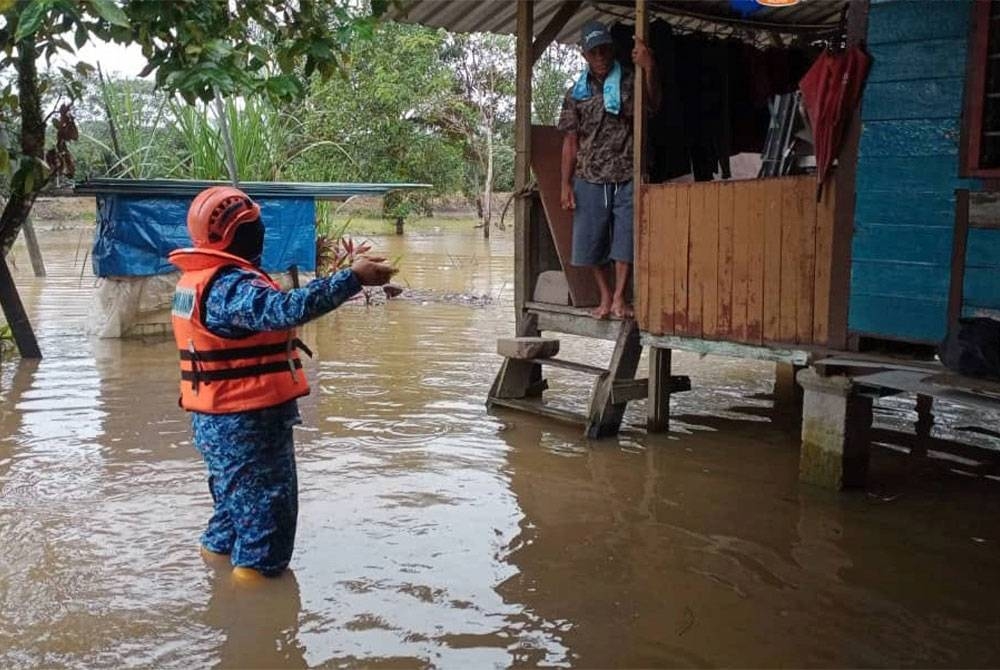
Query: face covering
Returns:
{"type": "Point", "coordinates": [248, 242]}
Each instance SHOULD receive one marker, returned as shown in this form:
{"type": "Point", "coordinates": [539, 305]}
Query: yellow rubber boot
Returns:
{"type": "Point", "coordinates": [244, 575]}
{"type": "Point", "coordinates": [214, 558]}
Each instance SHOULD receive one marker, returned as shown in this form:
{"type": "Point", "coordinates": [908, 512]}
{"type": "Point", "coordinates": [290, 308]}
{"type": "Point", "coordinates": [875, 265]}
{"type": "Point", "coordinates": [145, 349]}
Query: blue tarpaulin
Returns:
{"type": "Point", "coordinates": [135, 234]}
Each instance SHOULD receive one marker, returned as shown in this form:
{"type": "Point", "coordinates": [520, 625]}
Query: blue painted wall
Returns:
{"type": "Point", "coordinates": [908, 169]}
{"type": "Point", "coordinates": [980, 288]}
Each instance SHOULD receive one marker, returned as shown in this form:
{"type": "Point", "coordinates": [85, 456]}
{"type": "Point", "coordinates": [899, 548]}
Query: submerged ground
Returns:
{"type": "Point", "coordinates": [433, 533]}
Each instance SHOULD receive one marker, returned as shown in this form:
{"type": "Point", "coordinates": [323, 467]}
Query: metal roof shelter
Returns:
{"type": "Point", "coordinates": [536, 23]}
{"type": "Point", "coordinates": [809, 19]}
{"type": "Point", "coordinates": [255, 189]}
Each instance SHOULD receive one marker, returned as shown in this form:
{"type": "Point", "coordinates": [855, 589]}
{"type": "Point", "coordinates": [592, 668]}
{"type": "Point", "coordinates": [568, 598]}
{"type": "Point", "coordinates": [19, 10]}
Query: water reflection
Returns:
{"type": "Point", "coordinates": [692, 553]}
{"type": "Point", "coordinates": [259, 625]}
{"type": "Point", "coordinates": [435, 534]}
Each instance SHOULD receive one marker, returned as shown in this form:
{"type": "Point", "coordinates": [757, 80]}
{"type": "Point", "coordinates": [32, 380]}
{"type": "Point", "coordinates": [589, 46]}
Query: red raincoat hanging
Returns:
{"type": "Point", "coordinates": [831, 90]}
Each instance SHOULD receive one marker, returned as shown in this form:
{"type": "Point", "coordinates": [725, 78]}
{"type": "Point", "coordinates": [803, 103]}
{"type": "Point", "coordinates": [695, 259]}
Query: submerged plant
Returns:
{"type": "Point", "coordinates": [6, 341]}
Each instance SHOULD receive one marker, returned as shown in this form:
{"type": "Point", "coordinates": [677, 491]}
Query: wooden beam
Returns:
{"type": "Point", "coordinates": [34, 251]}
{"type": "Point", "coordinates": [642, 222]}
{"type": "Point", "coordinates": [958, 251]}
{"type": "Point", "coordinates": [627, 390]}
{"type": "Point", "coordinates": [17, 318]}
{"type": "Point", "coordinates": [584, 325]}
{"type": "Point", "coordinates": [776, 354]}
{"type": "Point", "coordinates": [605, 416]}
{"type": "Point", "coordinates": [524, 272]}
{"type": "Point", "coordinates": [552, 28]}
{"type": "Point", "coordinates": [658, 404]}
{"type": "Point", "coordinates": [843, 216]}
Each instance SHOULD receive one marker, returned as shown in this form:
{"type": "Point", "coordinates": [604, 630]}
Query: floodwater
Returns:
{"type": "Point", "coordinates": [435, 534]}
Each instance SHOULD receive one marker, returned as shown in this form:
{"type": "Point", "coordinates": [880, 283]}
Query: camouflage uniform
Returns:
{"type": "Point", "coordinates": [602, 183]}
{"type": "Point", "coordinates": [604, 153]}
{"type": "Point", "coordinates": [250, 456]}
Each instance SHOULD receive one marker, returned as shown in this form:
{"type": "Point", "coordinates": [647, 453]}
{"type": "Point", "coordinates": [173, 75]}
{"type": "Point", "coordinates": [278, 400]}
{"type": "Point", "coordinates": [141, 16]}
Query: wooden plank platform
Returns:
{"type": "Point", "coordinates": [540, 408]}
{"type": "Point", "coordinates": [910, 381]}
{"type": "Point", "coordinates": [571, 365]}
{"type": "Point", "coordinates": [777, 354]}
{"type": "Point", "coordinates": [573, 321]}
{"type": "Point", "coordinates": [832, 365]}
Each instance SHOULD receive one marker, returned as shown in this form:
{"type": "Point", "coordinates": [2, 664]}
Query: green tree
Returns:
{"type": "Point", "coordinates": [373, 124]}
{"type": "Point", "coordinates": [482, 102]}
{"type": "Point", "coordinates": [196, 48]}
{"type": "Point", "coordinates": [553, 74]}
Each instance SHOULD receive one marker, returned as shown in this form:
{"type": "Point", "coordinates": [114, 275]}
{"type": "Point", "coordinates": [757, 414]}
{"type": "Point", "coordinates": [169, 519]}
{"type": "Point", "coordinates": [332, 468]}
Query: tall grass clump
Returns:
{"type": "Point", "coordinates": [136, 139]}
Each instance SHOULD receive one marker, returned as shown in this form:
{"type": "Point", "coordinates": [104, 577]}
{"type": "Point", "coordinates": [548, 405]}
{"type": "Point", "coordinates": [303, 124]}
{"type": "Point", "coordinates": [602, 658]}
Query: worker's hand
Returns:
{"type": "Point", "coordinates": [372, 270]}
{"type": "Point", "coordinates": [567, 199]}
{"type": "Point", "coordinates": [642, 56]}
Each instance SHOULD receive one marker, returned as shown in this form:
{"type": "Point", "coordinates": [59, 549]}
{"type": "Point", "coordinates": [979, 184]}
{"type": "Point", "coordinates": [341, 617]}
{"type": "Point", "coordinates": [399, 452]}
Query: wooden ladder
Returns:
{"type": "Point", "coordinates": [519, 385]}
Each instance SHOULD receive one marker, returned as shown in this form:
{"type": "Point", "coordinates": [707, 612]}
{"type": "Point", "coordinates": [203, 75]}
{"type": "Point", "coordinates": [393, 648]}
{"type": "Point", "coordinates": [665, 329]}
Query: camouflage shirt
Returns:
{"type": "Point", "coordinates": [604, 139]}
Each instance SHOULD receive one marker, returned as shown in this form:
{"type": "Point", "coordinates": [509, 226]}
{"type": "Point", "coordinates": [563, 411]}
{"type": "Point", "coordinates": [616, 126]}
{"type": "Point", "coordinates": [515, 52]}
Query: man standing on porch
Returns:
{"type": "Point", "coordinates": [596, 122]}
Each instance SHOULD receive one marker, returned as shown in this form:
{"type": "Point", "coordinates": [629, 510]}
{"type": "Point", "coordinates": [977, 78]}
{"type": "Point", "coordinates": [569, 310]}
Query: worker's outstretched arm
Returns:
{"type": "Point", "coordinates": [240, 303]}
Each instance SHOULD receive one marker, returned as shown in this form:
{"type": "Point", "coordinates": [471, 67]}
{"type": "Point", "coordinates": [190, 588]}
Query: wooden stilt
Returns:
{"type": "Point", "coordinates": [925, 421]}
{"type": "Point", "coordinates": [34, 252]}
{"type": "Point", "coordinates": [787, 394]}
{"type": "Point", "coordinates": [17, 318]}
{"type": "Point", "coordinates": [525, 271]}
{"type": "Point", "coordinates": [658, 403]}
{"type": "Point", "coordinates": [605, 415]}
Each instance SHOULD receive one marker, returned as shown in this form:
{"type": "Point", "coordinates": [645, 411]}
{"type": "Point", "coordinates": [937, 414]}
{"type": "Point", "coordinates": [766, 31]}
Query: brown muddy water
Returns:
{"type": "Point", "coordinates": [435, 534]}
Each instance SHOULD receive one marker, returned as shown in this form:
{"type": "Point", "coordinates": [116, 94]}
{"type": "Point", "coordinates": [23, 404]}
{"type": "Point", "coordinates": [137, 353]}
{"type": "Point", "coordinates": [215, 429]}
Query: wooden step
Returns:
{"type": "Point", "coordinates": [539, 408]}
{"type": "Point", "coordinates": [571, 365]}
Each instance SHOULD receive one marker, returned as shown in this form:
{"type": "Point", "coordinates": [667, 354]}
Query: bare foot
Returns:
{"type": "Point", "coordinates": [622, 310]}
{"type": "Point", "coordinates": [602, 311]}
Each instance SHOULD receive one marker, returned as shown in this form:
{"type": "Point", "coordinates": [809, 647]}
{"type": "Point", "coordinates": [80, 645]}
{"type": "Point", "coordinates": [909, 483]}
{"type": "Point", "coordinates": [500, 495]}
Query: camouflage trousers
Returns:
{"type": "Point", "coordinates": [250, 457]}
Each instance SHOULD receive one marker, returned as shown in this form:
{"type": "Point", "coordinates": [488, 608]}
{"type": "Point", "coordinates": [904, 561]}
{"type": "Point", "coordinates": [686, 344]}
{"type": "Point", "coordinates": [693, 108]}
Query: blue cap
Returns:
{"type": "Point", "coordinates": [594, 34]}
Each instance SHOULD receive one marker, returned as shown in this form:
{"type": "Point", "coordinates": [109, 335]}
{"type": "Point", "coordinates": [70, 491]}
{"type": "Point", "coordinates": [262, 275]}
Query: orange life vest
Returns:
{"type": "Point", "coordinates": [220, 375]}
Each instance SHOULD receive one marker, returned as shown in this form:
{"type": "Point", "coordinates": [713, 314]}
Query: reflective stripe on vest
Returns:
{"type": "Point", "coordinates": [220, 375]}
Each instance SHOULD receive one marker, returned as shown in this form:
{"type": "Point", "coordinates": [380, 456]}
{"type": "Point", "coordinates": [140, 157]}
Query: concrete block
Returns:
{"type": "Point", "coordinates": [527, 347]}
{"type": "Point", "coordinates": [836, 420]}
{"type": "Point", "coordinates": [552, 288]}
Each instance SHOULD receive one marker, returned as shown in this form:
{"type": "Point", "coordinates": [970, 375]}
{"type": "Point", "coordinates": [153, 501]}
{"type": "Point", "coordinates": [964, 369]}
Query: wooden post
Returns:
{"type": "Point", "coordinates": [605, 416]}
{"type": "Point", "coordinates": [843, 213]}
{"type": "Point", "coordinates": [552, 28]}
{"type": "Point", "coordinates": [17, 318]}
{"type": "Point", "coordinates": [660, 385]}
{"type": "Point", "coordinates": [639, 151]}
{"type": "Point", "coordinates": [399, 225]}
{"type": "Point", "coordinates": [787, 394]}
{"type": "Point", "coordinates": [524, 272]}
{"type": "Point", "coordinates": [925, 422]}
{"type": "Point", "coordinates": [34, 252]}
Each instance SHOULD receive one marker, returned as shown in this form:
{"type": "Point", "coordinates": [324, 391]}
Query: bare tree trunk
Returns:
{"type": "Point", "coordinates": [22, 195]}
{"type": "Point", "coordinates": [22, 189]}
{"type": "Point", "coordinates": [488, 184]}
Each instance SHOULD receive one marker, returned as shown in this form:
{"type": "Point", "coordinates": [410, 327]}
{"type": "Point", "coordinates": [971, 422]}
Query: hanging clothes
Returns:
{"type": "Point", "coordinates": [831, 90]}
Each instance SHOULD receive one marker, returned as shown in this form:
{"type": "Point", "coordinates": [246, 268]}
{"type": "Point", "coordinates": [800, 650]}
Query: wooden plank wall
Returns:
{"type": "Point", "coordinates": [980, 288]}
{"type": "Point", "coordinates": [546, 155]}
{"type": "Point", "coordinates": [908, 170]}
{"type": "Point", "coordinates": [744, 261]}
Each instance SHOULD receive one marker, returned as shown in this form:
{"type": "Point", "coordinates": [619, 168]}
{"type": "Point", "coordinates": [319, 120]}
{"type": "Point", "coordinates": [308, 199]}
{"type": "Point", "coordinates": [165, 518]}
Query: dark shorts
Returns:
{"type": "Point", "coordinates": [602, 222]}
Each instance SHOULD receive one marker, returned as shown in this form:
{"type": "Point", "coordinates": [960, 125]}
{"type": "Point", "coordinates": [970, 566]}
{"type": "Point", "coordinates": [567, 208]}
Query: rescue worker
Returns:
{"type": "Point", "coordinates": [241, 374]}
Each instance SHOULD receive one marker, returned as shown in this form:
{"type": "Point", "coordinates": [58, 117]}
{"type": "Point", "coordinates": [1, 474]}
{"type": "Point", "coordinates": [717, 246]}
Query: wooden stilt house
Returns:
{"type": "Point", "coordinates": [904, 239]}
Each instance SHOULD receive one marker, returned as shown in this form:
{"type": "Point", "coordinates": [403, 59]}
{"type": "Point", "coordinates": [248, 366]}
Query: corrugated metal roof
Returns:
{"type": "Point", "coordinates": [255, 189]}
{"type": "Point", "coordinates": [809, 18]}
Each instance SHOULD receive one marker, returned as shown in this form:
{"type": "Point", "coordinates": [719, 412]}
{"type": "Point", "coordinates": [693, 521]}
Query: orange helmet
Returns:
{"type": "Point", "coordinates": [216, 213]}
